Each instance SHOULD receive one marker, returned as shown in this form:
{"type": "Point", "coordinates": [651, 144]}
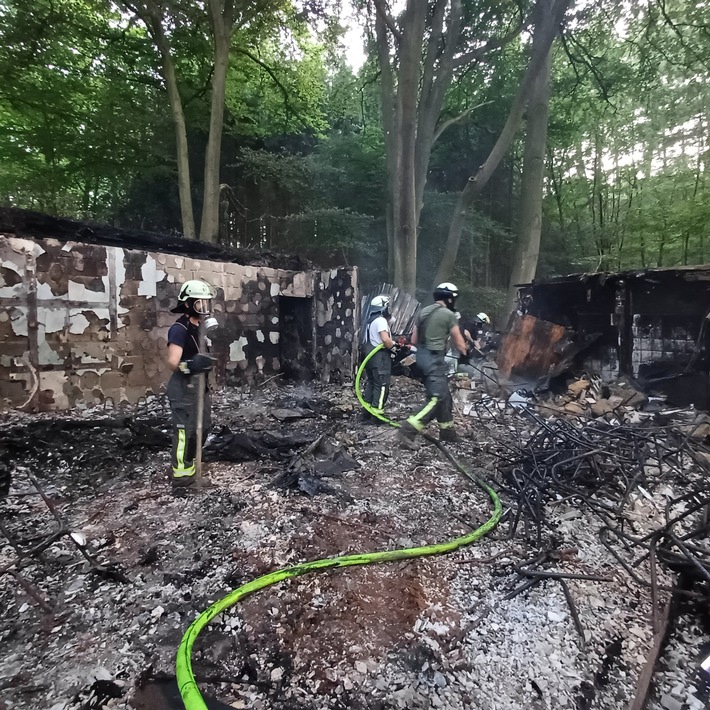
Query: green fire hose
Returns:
{"type": "Point", "coordinates": [191, 696]}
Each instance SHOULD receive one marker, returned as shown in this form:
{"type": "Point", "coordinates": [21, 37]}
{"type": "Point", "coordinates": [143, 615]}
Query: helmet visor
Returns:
{"type": "Point", "coordinates": [202, 306]}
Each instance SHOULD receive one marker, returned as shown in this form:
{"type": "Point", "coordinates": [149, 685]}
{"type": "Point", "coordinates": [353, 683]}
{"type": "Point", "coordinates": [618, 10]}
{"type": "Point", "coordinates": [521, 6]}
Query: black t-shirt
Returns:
{"type": "Point", "coordinates": [186, 335]}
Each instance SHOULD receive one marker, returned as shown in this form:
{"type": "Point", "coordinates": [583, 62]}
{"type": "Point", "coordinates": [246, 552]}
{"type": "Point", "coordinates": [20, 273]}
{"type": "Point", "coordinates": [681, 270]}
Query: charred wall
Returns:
{"type": "Point", "coordinates": [652, 325]}
{"type": "Point", "coordinates": [84, 323]}
{"type": "Point", "coordinates": [590, 310]}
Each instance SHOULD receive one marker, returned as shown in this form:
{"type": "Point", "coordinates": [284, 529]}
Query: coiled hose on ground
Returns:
{"type": "Point", "coordinates": [191, 696]}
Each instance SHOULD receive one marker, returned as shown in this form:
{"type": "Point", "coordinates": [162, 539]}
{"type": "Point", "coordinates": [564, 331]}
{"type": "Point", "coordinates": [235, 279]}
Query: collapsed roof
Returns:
{"type": "Point", "coordinates": [28, 224]}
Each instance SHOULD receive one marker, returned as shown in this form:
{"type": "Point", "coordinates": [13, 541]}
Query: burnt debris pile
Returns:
{"type": "Point", "coordinates": [604, 471]}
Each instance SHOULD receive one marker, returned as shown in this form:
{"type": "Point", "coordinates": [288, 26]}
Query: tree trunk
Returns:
{"type": "Point", "coordinates": [153, 22]}
{"type": "Point", "coordinates": [411, 111]}
{"type": "Point", "coordinates": [222, 30]}
{"type": "Point", "coordinates": [546, 28]}
{"type": "Point", "coordinates": [405, 203]}
{"type": "Point", "coordinates": [530, 222]}
{"type": "Point", "coordinates": [388, 124]}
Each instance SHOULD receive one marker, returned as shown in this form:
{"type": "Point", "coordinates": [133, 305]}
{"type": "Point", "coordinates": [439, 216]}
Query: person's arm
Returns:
{"type": "Point", "coordinates": [459, 342]}
{"type": "Point", "coordinates": [415, 335]}
{"type": "Point", "coordinates": [174, 355]}
{"type": "Point", "coordinates": [386, 339]}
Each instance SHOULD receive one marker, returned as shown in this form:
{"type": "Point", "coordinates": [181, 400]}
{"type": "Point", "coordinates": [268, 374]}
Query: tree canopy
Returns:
{"type": "Point", "coordinates": [301, 143]}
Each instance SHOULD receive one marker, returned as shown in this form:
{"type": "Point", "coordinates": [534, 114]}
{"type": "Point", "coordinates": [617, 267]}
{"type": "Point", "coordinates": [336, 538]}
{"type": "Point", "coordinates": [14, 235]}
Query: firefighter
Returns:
{"type": "Point", "coordinates": [435, 324]}
{"type": "Point", "coordinates": [187, 362]}
{"type": "Point", "coordinates": [461, 364]}
{"type": "Point", "coordinates": [379, 369]}
{"type": "Point", "coordinates": [481, 325]}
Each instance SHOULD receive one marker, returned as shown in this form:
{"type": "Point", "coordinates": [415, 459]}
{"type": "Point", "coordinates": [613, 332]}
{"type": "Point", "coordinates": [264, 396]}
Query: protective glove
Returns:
{"type": "Point", "coordinates": [395, 350]}
{"type": "Point", "coordinates": [200, 363]}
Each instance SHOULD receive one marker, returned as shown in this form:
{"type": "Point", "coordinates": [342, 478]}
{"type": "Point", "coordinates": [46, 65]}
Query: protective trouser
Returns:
{"type": "Point", "coordinates": [439, 404]}
{"type": "Point", "coordinates": [379, 373]}
{"type": "Point", "coordinates": [182, 394]}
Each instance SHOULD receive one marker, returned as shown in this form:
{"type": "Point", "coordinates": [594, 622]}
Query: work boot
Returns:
{"type": "Point", "coordinates": [365, 417]}
{"type": "Point", "coordinates": [376, 421]}
{"type": "Point", "coordinates": [183, 482]}
{"type": "Point", "coordinates": [449, 436]}
{"type": "Point", "coordinates": [406, 437]}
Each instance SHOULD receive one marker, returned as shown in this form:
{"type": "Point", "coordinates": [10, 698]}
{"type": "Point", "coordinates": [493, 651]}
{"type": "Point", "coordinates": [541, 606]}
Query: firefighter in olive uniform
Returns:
{"type": "Point", "coordinates": [435, 325]}
{"type": "Point", "coordinates": [187, 363]}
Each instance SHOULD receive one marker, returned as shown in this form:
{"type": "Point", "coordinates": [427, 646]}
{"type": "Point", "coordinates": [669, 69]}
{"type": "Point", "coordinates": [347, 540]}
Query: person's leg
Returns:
{"type": "Point", "coordinates": [183, 407]}
{"type": "Point", "coordinates": [381, 374]}
{"type": "Point", "coordinates": [445, 408]}
{"type": "Point", "coordinates": [368, 392]}
{"type": "Point", "coordinates": [416, 422]}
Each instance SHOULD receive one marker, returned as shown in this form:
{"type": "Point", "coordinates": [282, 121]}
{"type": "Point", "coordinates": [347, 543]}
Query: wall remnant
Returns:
{"type": "Point", "coordinates": [82, 323]}
{"type": "Point", "coordinates": [651, 325]}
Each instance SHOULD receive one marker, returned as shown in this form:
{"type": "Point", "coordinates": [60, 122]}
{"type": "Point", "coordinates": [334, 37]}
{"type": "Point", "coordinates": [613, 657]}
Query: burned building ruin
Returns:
{"type": "Point", "coordinates": [85, 312]}
{"type": "Point", "coordinates": [650, 325]}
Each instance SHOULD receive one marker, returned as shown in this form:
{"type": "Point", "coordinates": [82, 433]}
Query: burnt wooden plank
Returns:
{"type": "Point", "coordinates": [530, 348]}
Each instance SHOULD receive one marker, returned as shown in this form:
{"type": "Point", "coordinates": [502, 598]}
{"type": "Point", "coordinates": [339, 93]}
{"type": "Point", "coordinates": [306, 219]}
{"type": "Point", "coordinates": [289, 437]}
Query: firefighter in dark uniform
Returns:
{"type": "Point", "coordinates": [379, 368]}
{"type": "Point", "coordinates": [187, 363]}
{"type": "Point", "coordinates": [435, 325]}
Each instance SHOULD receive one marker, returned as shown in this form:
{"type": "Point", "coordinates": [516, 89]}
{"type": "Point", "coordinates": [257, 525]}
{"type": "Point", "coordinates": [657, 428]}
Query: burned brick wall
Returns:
{"type": "Point", "coordinates": [81, 324]}
{"type": "Point", "coordinates": [336, 305]}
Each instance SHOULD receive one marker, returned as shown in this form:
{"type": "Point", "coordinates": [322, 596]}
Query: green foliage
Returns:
{"type": "Point", "coordinates": [76, 115]}
{"type": "Point", "coordinates": [85, 131]}
{"type": "Point", "coordinates": [628, 149]}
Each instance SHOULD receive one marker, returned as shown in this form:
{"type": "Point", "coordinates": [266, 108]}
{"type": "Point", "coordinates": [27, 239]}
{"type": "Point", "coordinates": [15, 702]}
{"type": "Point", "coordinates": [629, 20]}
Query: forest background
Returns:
{"type": "Point", "coordinates": [479, 142]}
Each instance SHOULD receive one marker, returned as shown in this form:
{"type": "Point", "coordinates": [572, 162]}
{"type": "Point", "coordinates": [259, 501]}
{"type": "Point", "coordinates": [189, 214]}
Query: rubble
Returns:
{"type": "Point", "coordinates": [548, 611]}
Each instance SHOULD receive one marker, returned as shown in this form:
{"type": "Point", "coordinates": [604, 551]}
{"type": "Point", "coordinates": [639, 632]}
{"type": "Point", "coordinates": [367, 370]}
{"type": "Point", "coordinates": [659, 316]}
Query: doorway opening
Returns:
{"type": "Point", "coordinates": [296, 338]}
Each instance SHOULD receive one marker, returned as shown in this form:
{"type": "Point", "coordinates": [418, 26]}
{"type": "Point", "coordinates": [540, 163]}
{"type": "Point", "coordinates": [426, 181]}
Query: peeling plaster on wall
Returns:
{"type": "Point", "coordinates": [53, 319]}
{"type": "Point", "coordinates": [46, 355]}
{"type": "Point", "coordinates": [324, 312]}
{"type": "Point", "coordinates": [275, 290]}
{"type": "Point", "coordinates": [78, 323]}
{"type": "Point", "coordinates": [103, 315]}
{"type": "Point", "coordinates": [51, 386]}
{"type": "Point", "coordinates": [88, 359]}
{"type": "Point", "coordinates": [18, 288]}
{"type": "Point", "coordinates": [299, 285]}
{"type": "Point", "coordinates": [260, 360]}
{"type": "Point", "coordinates": [26, 246]}
{"type": "Point", "coordinates": [119, 280]}
{"type": "Point", "coordinates": [79, 292]}
{"type": "Point", "coordinates": [274, 337]}
{"type": "Point", "coordinates": [236, 350]}
{"type": "Point", "coordinates": [260, 336]}
{"type": "Point", "coordinates": [150, 275]}
{"type": "Point", "coordinates": [18, 320]}
{"type": "Point", "coordinates": [45, 293]}
{"type": "Point", "coordinates": [275, 320]}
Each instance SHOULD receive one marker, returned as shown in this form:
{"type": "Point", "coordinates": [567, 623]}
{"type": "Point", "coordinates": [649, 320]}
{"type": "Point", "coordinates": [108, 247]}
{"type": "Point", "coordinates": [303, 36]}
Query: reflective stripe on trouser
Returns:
{"type": "Point", "coordinates": [439, 404]}
{"type": "Point", "coordinates": [379, 374]}
{"type": "Point", "coordinates": [182, 393]}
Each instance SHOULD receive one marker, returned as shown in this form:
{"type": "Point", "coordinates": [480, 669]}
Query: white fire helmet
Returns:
{"type": "Point", "coordinates": [447, 288]}
{"type": "Point", "coordinates": [194, 298]}
{"type": "Point", "coordinates": [483, 317]}
{"type": "Point", "coordinates": [379, 303]}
